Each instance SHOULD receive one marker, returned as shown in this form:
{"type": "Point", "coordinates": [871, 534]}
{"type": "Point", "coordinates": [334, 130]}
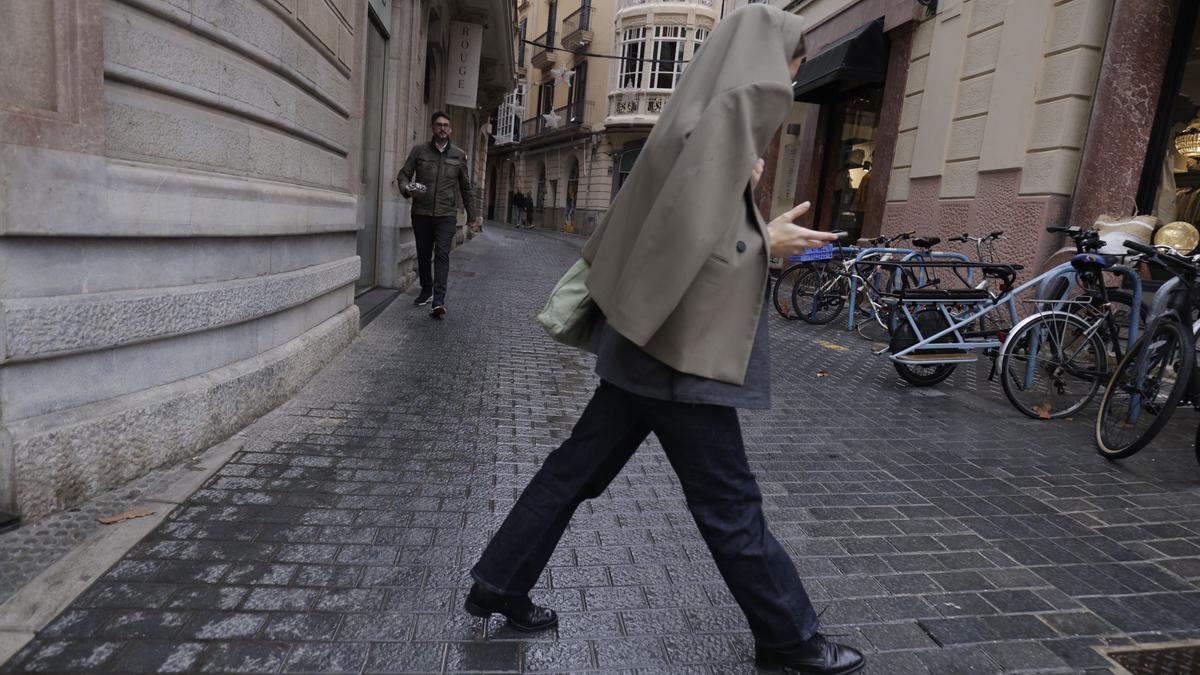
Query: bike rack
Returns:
{"type": "Point", "coordinates": [909, 255]}
{"type": "Point", "coordinates": [1009, 300]}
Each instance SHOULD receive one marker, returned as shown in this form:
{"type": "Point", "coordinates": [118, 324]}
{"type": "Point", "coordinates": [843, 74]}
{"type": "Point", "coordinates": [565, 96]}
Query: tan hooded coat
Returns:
{"type": "Point", "coordinates": [679, 264]}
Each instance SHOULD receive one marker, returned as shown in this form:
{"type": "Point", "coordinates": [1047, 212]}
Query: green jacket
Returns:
{"type": "Point", "coordinates": [442, 172]}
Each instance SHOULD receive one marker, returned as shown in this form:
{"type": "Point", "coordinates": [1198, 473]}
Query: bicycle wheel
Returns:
{"type": "Point", "coordinates": [1134, 409]}
{"type": "Point", "coordinates": [781, 295]}
{"type": "Point", "coordinates": [819, 295]}
{"type": "Point", "coordinates": [931, 322]}
{"type": "Point", "coordinates": [1052, 365]}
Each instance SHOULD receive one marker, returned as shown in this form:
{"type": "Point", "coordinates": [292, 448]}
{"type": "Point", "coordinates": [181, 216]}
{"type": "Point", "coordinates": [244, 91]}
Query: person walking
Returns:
{"type": "Point", "coordinates": [431, 175]}
{"type": "Point", "coordinates": [679, 269]}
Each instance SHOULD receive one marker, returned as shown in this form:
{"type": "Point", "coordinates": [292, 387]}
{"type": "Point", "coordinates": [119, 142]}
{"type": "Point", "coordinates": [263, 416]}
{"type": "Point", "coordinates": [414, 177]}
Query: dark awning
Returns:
{"type": "Point", "coordinates": [858, 58]}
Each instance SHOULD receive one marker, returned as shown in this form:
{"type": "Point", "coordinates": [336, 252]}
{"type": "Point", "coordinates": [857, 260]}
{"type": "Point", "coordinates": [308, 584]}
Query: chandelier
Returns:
{"type": "Point", "coordinates": [1187, 142]}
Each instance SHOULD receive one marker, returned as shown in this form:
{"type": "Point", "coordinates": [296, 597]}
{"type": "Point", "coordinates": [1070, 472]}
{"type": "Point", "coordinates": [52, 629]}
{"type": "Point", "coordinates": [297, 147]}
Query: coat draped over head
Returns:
{"type": "Point", "coordinates": [679, 262]}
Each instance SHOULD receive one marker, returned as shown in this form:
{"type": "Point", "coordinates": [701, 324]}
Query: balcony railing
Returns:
{"type": "Point", "coordinates": [570, 116]}
{"type": "Point", "coordinates": [543, 56]}
{"type": "Point", "coordinates": [637, 3]}
{"type": "Point", "coordinates": [637, 102]}
{"type": "Point", "coordinates": [577, 28]}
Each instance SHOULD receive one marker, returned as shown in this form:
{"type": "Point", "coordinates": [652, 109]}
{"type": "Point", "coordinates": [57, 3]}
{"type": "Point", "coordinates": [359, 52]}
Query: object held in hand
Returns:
{"type": "Point", "coordinates": [415, 188]}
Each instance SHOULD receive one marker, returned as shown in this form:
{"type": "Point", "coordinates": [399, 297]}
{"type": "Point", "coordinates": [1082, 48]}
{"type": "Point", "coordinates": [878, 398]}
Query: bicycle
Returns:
{"type": "Point", "coordinates": [1053, 362]}
{"type": "Point", "coordinates": [1158, 372]}
{"type": "Point", "coordinates": [785, 284]}
{"type": "Point", "coordinates": [821, 292]}
{"type": "Point", "coordinates": [939, 328]}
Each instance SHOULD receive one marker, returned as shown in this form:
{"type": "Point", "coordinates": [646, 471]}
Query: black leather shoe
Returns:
{"type": "Point", "coordinates": [520, 611]}
{"type": "Point", "coordinates": [423, 300]}
{"type": "Point", "coordinates": [439, 311]}
{"type": "Point", "coordinates": [817, 656]}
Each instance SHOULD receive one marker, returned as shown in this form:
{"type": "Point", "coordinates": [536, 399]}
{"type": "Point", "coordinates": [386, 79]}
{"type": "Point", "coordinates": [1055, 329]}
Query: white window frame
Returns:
{"type": "Point", "coordinates": [665, 74]}
{"type": "Point", "coordinates": [633, 53]}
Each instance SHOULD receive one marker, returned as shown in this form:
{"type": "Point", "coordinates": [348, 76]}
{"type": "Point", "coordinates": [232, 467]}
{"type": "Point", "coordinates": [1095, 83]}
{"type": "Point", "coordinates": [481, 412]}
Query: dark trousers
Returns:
{"type": "Point", "coordinates": [704, 446]}
{"type": "Point", "coordinates": [435, 237]}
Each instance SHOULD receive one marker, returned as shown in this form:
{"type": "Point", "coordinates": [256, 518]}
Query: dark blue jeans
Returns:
{"type": "Point", "coordinates": [434, 237]}
{"type": "Point", "coordinates": [704, 445]}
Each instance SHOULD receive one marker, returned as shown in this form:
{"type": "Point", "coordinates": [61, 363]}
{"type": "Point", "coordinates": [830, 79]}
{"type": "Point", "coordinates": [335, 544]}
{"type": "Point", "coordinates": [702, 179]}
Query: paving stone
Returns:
{"type": "Point", "coordinates": [145, 656]}
{"type": "Point", "coordinates": [327, 658]}
{"type": "Point", "coordinates": [245, 657]}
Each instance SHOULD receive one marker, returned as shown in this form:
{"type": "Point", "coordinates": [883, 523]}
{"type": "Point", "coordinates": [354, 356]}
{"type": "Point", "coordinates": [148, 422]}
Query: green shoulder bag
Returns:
{"type": "Point", "coordinates": [570, 315]}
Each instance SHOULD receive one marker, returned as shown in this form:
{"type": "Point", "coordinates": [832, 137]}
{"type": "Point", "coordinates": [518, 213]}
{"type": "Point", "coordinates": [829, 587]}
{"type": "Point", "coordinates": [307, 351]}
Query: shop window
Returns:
{"type": "Point", "coordinates": [846, 178]}
{"type": "Point", "coordinates": [1170, 188]}
{"type": "Point", "coordinates": [668, 56]}
{"type": "Point", "coordinates": [633, 49]}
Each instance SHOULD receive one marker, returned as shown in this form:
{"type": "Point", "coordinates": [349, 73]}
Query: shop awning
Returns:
{"type": "Point", "coordinates": [857, 59]}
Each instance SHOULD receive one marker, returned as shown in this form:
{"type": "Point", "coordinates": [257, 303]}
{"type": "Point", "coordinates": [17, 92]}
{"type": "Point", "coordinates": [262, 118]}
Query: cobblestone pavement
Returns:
{"type": "Point", "coordinates": [945, 532]}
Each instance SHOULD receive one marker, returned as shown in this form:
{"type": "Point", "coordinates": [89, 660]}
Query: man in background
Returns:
{"type": "Point", "coordinates": [431, 176]}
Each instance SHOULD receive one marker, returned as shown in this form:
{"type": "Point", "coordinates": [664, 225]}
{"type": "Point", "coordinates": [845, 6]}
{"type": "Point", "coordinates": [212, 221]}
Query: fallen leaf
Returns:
{"type": "Point", "coordinates": [1043, 410]}
{"type": "Point", "coordinates": [822, 373]}
{"type": "Point", "coordinates": [834, 346]}
{"type": "Point", "coordinates": [122, 517]}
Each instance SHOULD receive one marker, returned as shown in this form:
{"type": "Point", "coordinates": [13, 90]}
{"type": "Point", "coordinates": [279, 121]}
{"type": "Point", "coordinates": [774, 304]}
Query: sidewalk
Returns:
{"type": "Point", "coordinates": [945, 532]}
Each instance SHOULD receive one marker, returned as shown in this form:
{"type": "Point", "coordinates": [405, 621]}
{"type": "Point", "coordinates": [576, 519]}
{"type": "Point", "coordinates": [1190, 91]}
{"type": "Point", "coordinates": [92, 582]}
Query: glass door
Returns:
{"type": "Point", "coordinates": [372, 144]}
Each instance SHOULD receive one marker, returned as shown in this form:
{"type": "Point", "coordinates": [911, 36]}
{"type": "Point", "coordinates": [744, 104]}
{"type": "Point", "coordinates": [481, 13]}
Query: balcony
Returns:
{"type": "Point", "coordinates": [571, 116]}
{"type": "Point", "coordinates": [543, 57]}
{"type": "Point", "coordinates": [577, 29]}
{"type": "Point", "coordinates": [624, 4]}
{"type": "Point", "coordinates": [636, 106]}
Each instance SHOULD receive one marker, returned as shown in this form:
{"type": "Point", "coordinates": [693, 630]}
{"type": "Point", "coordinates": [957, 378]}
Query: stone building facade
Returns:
{"type": "Point", "coordinates": [573, 164]}
{"type": "Point", "coordinates": [191, 193]}
{"type": "Point", "coordinates": [988, 115]}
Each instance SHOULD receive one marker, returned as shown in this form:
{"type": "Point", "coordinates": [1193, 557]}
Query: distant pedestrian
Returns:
{"type": "Point", "coordinates": [431, 176]}
{"type": "Point", "coordinates": [679, 269]}
{"type": "Point", "coordinates": [518, 208]}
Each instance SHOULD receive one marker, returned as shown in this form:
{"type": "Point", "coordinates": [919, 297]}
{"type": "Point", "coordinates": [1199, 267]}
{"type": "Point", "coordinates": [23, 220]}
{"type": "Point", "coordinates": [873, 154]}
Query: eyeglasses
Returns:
{"type": "Point", "coordinates": [441, 125]}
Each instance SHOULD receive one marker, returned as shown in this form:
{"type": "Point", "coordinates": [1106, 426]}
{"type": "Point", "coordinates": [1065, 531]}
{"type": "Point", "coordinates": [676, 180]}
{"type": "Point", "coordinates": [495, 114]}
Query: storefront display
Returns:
{"type": "Point", "coordinates": [1172, 176]}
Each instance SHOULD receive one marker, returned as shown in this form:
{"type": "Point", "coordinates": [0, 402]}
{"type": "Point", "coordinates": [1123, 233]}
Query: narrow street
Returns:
{"type": "Point", "coordinates": [940, 529]}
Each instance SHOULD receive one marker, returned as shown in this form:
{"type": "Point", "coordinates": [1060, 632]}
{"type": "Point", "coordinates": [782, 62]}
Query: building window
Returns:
{"type": "Point", "coordinates": [508, 118]}
{"type": "Point", "coordinates": [668, 56]}
{"type": "Point", "coordinates": [546, 97]}
{"type": "Point", "coordinates": [523, 35]}
{"type": "Point", "coordinates": [577, 94]}
{"type": "Point", "coordinates": [699, 38]}
{"type": "Point", "coordinates": [550, 21]}
{"type": "Point", "coordinates": [633, 50]}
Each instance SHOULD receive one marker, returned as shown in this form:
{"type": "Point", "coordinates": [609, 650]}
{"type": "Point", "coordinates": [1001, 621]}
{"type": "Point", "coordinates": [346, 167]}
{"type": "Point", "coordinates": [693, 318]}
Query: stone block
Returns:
{"type": "Point", "coordinates": [974, 96]}
{"type": "Point", "coordinates": [64, 458]}
{"type": "Point", "coordinates": [982, 52]}
{"type": "Point", "coordinates": [1060, 124]}
{"type": "Point", "coordinates": [1080, 23]}
{"type": "Point", "coordinates": [904, 149]}
{"type": "Point", "coordinates": [917, 71]}
{"type": "Point", "coordinates": [922, 39]}
{"type": "Point", "coordinates": [898, 185]}
{"type": "Point", "coordinates": [1071, 73]}
{"type": "Point", "coordinates": [910, 112]}
{"type": "Point", "coordinates": [987, 14]}
{"type": "Point", "coordinates": [966, 138]}
{"type": "Point", "coordinates": [960, 179]}
{"type": "Point", "coordinates": [1050, 172]}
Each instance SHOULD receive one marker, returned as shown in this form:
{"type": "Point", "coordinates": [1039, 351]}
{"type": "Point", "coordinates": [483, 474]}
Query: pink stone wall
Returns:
{"type": "Point", "coordinates": [996, 206]}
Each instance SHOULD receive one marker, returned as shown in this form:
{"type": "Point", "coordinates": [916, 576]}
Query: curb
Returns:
{"type": "Point", "coordinates": [45, 596]}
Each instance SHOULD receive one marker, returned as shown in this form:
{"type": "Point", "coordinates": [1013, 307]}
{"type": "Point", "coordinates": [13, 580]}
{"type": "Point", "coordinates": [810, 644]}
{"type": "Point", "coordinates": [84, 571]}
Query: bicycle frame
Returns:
{"type": "Point", "coordinates": [1008, 300]}
{"type": "Point", "coordinates": [1167, 302]}
{"type": "Point", "coordinates": [908, 256]}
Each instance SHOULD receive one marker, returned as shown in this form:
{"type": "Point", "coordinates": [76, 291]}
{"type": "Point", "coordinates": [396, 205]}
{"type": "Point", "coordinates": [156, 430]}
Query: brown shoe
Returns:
{"type": "Point", "coordinates": [439, 312]}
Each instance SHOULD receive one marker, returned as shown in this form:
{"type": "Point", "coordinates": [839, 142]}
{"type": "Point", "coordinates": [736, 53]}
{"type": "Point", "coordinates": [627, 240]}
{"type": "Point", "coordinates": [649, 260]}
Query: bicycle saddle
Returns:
{"type": "Point", "coordinates": [1091, 262]}
{"type": "Point", "coordinates": [926, 242]}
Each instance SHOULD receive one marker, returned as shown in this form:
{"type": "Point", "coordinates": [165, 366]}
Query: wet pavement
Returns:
{"type": "Point", "coordinates": [941, 530]}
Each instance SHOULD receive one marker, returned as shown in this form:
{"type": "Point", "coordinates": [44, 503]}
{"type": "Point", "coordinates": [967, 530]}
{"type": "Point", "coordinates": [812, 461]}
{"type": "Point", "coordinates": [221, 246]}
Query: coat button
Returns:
{"type": "Point", "coordinates": [741, 247]}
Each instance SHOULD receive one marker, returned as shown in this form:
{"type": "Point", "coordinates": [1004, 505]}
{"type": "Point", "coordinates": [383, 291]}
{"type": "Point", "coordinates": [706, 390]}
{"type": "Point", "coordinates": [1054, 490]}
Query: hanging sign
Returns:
{"type": "Point", "coordinates": [462, 78]}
